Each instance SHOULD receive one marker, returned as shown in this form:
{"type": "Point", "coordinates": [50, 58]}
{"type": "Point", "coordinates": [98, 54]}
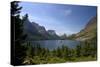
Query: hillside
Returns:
{"type": "Point", "coordinates": [90, 30]}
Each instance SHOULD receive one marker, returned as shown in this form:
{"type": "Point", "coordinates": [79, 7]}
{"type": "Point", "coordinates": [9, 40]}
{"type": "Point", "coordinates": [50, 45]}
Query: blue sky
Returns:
{"type": "Point", "coordinates": [62, 18]}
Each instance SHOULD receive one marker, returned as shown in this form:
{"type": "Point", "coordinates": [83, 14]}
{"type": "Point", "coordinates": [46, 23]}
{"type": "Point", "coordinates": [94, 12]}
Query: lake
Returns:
{"type": "Point", "coordinates": [53, 44]}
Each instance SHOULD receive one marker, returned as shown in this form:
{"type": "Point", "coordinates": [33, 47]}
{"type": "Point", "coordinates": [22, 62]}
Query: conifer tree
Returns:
{"type": "Point", "coordinates": [17, 36]}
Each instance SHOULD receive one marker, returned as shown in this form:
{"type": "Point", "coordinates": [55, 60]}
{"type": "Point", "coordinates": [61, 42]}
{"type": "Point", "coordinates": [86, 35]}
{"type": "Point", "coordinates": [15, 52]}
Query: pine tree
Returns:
{"type": "Point", "coordinates": [15, 9]}
{"type": "Point", "coordinates": [17, 36]}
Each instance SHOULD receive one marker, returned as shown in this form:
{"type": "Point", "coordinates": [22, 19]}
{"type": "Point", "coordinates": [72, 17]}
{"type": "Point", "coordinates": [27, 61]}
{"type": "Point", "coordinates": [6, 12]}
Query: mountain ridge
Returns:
{"type": "Point", "coordinates": [89, 31]}
{"type": "Point", "coordinates": [37, 32]}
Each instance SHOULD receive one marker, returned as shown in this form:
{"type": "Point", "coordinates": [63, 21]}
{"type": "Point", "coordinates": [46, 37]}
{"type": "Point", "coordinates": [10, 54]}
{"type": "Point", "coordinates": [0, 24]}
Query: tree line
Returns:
{"type": "Point", "coordinates": [61, 54]}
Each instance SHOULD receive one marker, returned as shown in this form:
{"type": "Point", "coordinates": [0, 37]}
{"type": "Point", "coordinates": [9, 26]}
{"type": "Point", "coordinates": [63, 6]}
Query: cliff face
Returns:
{"type": "Point", "coordinates": [89, 31]}
{"type": "Point", "coordinates": [40, 29]}
{"type": "Point", "coordinates": [31, 31]}
{"type": "Point", "coordinates": [53, 34]}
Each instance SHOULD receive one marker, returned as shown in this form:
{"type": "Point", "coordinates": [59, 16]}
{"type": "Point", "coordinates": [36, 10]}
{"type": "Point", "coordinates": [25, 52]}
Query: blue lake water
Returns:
{"type": "Point", "coordinates": [53, 44]}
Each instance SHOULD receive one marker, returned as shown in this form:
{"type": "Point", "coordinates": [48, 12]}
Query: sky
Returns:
{"type": "Point", "coordinates": [62, 18]}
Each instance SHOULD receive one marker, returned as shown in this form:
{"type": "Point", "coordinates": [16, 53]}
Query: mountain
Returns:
{"type": "Point", "coordinates": [36, 32]}
{"type": "Point", "coordinates": [28, 27]}
{"type": "Point", "coordinates": [46, 34]}
{"type": "Point", "coordinates": [31, 31]}
{"type": "Point", "coordinates": [41, 30]}
{"type": "Point", "coordinates": [89, 32]}
{"type": "Point", "coordinates": [64, 37]}
{"type": "Point", "coordinates": [53, 34]}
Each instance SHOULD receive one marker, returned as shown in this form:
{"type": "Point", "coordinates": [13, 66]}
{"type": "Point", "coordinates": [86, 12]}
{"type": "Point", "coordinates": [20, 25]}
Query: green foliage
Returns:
{"type": "Point", "coordinates": [85, 51]}
{"type": "Point", "coordinates": [78, 50]}
{"type": "Point", "coordinates": [17, 50]}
